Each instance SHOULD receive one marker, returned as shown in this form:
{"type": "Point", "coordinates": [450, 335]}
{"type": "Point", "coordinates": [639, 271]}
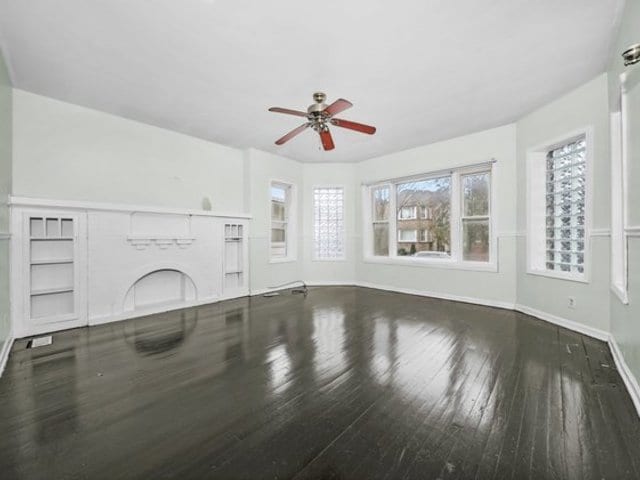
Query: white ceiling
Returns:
{"type": "Point", "coordinates": [419, 70]}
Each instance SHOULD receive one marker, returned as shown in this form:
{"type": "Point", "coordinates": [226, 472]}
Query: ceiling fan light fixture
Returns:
{"type": "Point", "coordinates": [631, 55]}
{"type": "Point", "coordinates": [319, 115]}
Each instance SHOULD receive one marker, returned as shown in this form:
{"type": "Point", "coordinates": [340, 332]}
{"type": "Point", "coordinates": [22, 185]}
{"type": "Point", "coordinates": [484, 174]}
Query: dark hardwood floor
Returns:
{"type": "Point", "coordinates": [347, 383]}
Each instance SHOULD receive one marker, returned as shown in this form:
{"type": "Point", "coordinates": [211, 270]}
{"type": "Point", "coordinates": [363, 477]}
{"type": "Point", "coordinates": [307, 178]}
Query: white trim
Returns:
{"type": "Point", "coordinates": [15, 201]}
{"type": "Point", "coordinates": [282, 260]}
{"type": "Point", "coordinates": [331, 283]}
{"type": "Point", "coordinates": [568, 276]}
{"type": "Point", "coordinates": [442, 296]}
{"type": "Point", "coordinates": [632, 231]}
{"type": "Point", "coordinates": [432, 174]}
{"type": "Point", "coordinates": [5, 352]}
{"type": "Point", "coordinates": [102, 319]}
{"type": "Point", "coordinates": [627, 375]}
{"type": "Point", "coordinates": [600, 232]}
{"type": "Point", "coordinates": [563, 322]}
{"type": "Point", "coordinates": [450, 264]}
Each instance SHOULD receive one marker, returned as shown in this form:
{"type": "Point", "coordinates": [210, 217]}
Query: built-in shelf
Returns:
{"type": "Point", "coordinates": [234, 256]}
{"type": "Point", "coordinates": [48, 239]}
{"type": "Point", "coordinates": [51, 266]}
{"type": "Point", "coordinates": [50, 291]}
{"type": "Point", "coordinates": [52, 261]}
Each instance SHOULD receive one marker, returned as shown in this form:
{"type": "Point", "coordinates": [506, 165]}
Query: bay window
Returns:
{"type": "Point", "coordinates": [442, 218]}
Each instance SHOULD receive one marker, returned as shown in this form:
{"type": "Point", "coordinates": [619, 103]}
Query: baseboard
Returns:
{"type": "Point", "coordinates": [4, 353]}
{"type": "Point", "coordinates": [330, 283]}
{"type": "Point", "coordinates": [100, 320]}
{"type": "Point", "coordinates": [627, 375]}
{"type": "Point", "coordinates": [563, 322]}
{"type": "Point", "coordinates": [442, 296]}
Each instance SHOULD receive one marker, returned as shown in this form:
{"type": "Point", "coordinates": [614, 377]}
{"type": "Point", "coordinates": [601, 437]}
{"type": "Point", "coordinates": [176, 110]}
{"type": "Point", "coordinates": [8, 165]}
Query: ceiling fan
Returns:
{"type": "Point", "coordinates": [319, 116]}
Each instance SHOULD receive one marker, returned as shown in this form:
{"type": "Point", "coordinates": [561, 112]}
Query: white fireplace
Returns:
{"type": "Point", "coordinates": [84, 263]}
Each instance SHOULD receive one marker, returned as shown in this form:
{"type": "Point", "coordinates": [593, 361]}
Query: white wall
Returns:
{"type": "Point", "coordinates": [261, 169]}
{"type": "Point", "coordinates": [5, 189]}
{"type": "Point", "coordinates": [586, 106]}
{"type": "Point", "coordinates": [496, 287]}
{"type": "Point", "coordinates": [63, 151]}
{"type": "Point", "coordinates": [625, 319]}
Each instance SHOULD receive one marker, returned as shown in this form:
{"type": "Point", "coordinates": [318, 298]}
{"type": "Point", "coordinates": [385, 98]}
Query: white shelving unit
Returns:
{"type": "Point", "coordinates": [234, 256]}
{"type": "Point", "coordinates": [51, 268]}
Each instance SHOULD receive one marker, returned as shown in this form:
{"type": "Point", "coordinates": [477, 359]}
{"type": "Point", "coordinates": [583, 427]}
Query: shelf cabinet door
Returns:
{"type": "Point", "coordinates": [53, 246]}
{"type": "Point", "coordinates": [235, 269]}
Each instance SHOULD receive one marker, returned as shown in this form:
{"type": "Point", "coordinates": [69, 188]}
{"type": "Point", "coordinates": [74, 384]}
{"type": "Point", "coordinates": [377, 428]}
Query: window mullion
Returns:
{"type": "Point", "coordinates": [456, 212]}
{"type": "Point", "coordinates": [393, 222]}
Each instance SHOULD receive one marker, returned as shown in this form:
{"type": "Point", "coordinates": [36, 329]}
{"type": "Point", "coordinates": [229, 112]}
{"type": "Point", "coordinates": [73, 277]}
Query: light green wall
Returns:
{"type": "Point", "coordinates": [625, 319]}
{"type": "Point", "coordinates": [586, 106]}
{"type": "Point", "coordinates": [261, 169]}
{"type": "Point", "coordinates": [6, 104]}
{"type": "Point", "coordinates": [327, 175]}
{"type": "Point", "coordinates": [498, 143]}
{"type": "Point", "coordinates": [64, 151]}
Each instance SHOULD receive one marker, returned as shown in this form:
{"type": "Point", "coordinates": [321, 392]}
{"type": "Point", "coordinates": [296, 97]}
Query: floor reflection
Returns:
{"type": "Point", "coordinates": [161, 333]}
{"type": "Point", "coordinates": [347, 382]}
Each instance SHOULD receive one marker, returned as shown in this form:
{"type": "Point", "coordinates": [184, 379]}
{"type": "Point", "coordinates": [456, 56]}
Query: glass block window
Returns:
{"type": "Point", "coordinates": [565, 207]}
{"type": "Point", "coordinates": [328, 223]}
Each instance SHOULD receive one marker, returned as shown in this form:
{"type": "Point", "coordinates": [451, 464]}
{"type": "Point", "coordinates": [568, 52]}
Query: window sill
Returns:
{"type": "Point", "coordinates": [571, 277]}
{"type": "Point", "coordinates": [283, 260]}
{"type": "Point", "coordinates": [431, 263]}
{"type": "Point", "coordinates": [330, 260]}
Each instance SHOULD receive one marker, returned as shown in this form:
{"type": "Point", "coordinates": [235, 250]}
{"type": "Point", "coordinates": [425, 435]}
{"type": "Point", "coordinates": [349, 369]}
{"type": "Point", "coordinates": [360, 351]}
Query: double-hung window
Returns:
{"type": "Point", "coordinates": [442, 218]}
{"type": "Point", "coordinates": [475, 216]}
{"type": "Point", "coordinates": [328, 223]}
{"type": "Point", "coordinates": [380, 201]}
{"type": "Point", "coordinates": [280, 211]}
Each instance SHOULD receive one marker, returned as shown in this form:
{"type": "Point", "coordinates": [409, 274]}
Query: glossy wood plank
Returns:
{"type": "Point", "coordinates": [345, 383]}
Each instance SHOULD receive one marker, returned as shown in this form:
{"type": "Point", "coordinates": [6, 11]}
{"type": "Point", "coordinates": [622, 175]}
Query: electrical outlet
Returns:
{"type": "Point", "coordinates": [572, 302]}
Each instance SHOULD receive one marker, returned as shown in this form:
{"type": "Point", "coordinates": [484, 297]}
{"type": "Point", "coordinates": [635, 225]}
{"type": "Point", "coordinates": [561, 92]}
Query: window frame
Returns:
{"type": "Point", "coordinates": [290, 223]}
{"type": "Point", "coordinates": [343, 231]}
{"type": "Point", "coordinates": [455, 261]}
{"type": "Point", "coordinates": [619, 196]}
{"type": "Point", "coordinates": [536, 206]}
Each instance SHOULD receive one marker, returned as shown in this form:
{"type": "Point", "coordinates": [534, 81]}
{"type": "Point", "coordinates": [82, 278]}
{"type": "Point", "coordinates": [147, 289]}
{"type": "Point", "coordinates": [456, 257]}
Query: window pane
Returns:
{"type": "Point", "coordinates": [476, 194]}
{"type": "Point", "coordinates": [475, 240]}
{"type": "Point", "coordinates": [278, 193]}
{"type": "Point", "coordinates": [381, 239]}
{"type": "Point", "coordinates": [431, 197]}
{"type": "Point", "coordinates": [278, 235]}
{"type": "Point", "coordinates": [380, 204]}
{"type": "Point", "coordinates": [565, 207]}
{"type": "Point", "coordinates": [277, 211]}
{"type": "Point", "coordinates": [328, 223]}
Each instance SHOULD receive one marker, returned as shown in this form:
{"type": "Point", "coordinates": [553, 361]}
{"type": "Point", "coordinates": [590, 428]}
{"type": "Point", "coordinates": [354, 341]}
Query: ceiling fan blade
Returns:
{"type": "Point", "coordinates": [288, 111]}
{"type": "Point", "coordinates": [338, 106]}
{"type": "Point", "coordinates": [292, 134]}
{"type": "Point", "coordinates": [327, 140]}
{"type": "Point", "coordinates": [358, 127]}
